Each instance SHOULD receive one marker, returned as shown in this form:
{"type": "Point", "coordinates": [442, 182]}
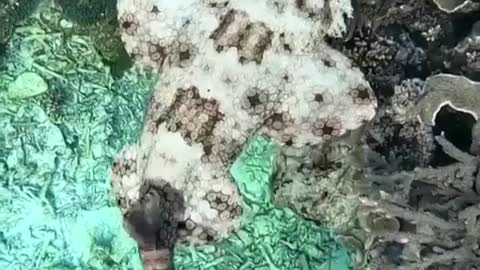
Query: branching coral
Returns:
{"type": "Point", "coordinates": [319, 184]}
{"type": "Point", "coordinates": [426, 214]}
{"type": "Point", "coordinates": [88, 11]}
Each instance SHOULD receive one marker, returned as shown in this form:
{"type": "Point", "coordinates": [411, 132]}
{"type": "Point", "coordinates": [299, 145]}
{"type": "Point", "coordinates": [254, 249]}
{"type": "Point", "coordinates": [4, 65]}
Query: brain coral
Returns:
{"type": "Point", "coordinates": [228, 70]}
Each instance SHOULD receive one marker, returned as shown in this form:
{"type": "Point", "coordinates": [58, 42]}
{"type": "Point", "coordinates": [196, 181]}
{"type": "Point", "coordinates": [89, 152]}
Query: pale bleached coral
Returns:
{"type": "Point", "coordinates": [230, 70]}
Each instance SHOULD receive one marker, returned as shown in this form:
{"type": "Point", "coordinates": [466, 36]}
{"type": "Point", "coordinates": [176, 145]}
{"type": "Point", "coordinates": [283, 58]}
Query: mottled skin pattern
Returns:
{"type": "Point", "coordinates": [227, 74]}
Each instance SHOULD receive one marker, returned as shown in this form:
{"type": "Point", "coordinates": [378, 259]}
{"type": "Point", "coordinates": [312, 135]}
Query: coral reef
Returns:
{"type": "Point", "coordinates": [271, 237]}
{"type": "Point", "coordinates": [431, 216]}
{"type": "Point", "coordinates": [420, 186]}
{"type": "Point", "coordinates": [56, 151]}
{"type": "Point", "coordinates": [228, 72]}
{"type": "Point", "coordinates": [152, 222]}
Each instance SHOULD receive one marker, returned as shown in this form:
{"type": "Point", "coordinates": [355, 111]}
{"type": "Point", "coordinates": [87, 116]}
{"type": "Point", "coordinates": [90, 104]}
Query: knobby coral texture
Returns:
{"type": "Point", "coordinates": [229, 70]}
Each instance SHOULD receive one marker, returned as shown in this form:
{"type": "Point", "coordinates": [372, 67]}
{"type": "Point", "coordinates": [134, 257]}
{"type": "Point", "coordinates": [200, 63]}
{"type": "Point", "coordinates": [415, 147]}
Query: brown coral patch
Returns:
{"type": "Point", "coordinates": [220, 201]}
{"type": "Point", "coordinates": [251, 39]}
{"type": "Point", "coordinates": [220, 150]}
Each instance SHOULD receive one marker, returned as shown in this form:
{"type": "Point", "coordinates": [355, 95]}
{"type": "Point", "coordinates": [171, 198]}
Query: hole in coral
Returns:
{"type": "Point", "coordinates": [127, 24]}
{"type": "Point", "coordinates": [457, 129]}
{"type": "Point", "coordinates": [209, 238]}
{"type": "Point", "coordinates": [318, 98]}
{"type": "Point", "coordinates": [406, 226]}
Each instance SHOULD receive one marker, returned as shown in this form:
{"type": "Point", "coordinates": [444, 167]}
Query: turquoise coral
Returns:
{"type": "Point", "coordinates": [55, 174]}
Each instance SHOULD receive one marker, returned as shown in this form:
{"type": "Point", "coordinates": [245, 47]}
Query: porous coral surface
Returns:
{"type": "Point", "coordinates": [229, 70]}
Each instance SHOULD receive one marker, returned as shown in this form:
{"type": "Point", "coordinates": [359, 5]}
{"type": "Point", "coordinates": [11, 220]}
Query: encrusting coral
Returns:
{"type": "Point", "coordinates": [231, 69]}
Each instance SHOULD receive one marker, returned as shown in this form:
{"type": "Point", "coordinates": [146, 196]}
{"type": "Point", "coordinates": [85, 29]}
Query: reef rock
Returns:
{"type": "Point", "coordinates": [229, 70]}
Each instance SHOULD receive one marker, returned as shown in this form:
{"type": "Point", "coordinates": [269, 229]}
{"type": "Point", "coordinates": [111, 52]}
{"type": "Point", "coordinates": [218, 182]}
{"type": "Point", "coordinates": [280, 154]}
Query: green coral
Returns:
{"type": "Point", "coordinates": [88, 11]}
{"type": "Point", "coordinates": [56, 151]}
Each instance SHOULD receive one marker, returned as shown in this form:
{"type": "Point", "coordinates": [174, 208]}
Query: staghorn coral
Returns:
{"type": "Point", "coordinates": [437, 212]}
{"type": "Point", "coordinates": [391, 41]}
{"type": "Point", "coordinates": [397, 134]}
{"type": "Point", "coordinates": [152, 222]}
{"type": "Point", "coordinates": [227, 74]}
